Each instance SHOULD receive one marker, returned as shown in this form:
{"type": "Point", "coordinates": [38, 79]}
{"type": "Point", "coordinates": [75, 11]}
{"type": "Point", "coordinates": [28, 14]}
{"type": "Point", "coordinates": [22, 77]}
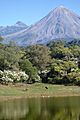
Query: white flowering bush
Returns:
{"type": "Point", "coordinates": [13, 76]}
{"type": "Point", "coordinates": [23, 76]}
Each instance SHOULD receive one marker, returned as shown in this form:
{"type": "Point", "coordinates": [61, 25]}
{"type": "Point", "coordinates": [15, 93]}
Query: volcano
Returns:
{"type": "Point", "coordinates": [60, 23]}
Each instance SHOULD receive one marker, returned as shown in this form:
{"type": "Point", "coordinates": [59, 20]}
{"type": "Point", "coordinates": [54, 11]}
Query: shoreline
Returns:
{"type": "Point", "coordinates": [19, 91]}
{"type": "Point", "coordinates": [6, 98]}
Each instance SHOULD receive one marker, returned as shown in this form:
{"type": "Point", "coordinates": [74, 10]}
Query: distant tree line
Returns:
{"type": "Point", "coordinates": [56, 63]}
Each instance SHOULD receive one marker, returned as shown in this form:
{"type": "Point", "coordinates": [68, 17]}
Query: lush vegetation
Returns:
{"type": "Point", "coordinates": [56, 63]}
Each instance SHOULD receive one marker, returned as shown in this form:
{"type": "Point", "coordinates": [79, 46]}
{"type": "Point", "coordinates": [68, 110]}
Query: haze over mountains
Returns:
{"type": "Point", "coordinates": [60, 23]}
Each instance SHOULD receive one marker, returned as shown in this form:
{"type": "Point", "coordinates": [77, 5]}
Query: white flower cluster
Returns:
{"type": "Point", "coordinates": [37, 78]}
{"type": "Point", "coordinates": [12, 76]}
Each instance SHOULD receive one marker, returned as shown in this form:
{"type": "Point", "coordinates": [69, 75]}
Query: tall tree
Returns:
{"type": "Point", "coordinates": [39, 56]}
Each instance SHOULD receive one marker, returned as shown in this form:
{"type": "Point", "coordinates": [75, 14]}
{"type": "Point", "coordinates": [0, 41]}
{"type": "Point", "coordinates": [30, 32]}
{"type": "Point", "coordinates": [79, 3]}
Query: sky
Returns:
{"type": "Point", "coordinates": [31, 11]}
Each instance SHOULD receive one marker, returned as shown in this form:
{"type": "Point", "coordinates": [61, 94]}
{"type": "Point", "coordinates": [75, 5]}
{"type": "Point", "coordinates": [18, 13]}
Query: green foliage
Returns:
{"type": "Point", "coordinates": [1, 38]}
{"type": "Point", "coordinates": [58, 50]}
{"type": "Point", "coordinates": [74, 77]}
{"type": "Point", "coordinates": [57, 63]}
{"type": "Point", "coordinates": [39, 56]}
{"type": "Point", "coordinates": [75, 49]}
{"type": "Point", "coordinates": [27, 66]}
{"type": "Point", "coordinates": [9, 57]}
{"type": "Point", "coordinates": [59, 69]}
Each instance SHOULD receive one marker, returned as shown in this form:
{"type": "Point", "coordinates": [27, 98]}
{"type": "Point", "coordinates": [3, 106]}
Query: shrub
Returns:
{"type": "Point", "coordinates": [13, 76]}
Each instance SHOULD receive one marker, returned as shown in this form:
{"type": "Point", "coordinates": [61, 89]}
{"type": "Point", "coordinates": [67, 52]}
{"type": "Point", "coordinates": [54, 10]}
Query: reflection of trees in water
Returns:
{"type": "Point", "coordinates": [41, 109]}
{"type": "Point", "coordinates": [13, 109]}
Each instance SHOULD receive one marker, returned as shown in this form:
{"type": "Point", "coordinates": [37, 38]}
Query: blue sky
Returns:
{"type": "Point", "coordinates": [30, 11]}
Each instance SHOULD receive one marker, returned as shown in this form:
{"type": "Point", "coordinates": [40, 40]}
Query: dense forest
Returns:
{"type": "Point", "coordinates": [56, 63]}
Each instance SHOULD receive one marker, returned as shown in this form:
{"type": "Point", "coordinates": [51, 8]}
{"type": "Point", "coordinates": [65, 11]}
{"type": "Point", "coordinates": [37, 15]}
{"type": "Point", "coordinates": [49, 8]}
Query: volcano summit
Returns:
{"type": "Point", "coordinates": [60, 23]}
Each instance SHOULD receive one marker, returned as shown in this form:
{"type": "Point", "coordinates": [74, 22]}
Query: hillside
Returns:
{"type": "Point", "coordinates": [7, 30]}
{"type": "Point", "coordinates": [60, 23]}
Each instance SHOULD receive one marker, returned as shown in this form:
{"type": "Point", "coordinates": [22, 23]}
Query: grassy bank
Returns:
{"type": "Point", "coordinates": [37, 90]}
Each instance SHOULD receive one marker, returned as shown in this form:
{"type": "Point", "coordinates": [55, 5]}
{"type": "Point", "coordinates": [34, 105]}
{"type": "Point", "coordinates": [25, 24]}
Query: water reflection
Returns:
{"type": "Point", "coordinates": [41, 109]}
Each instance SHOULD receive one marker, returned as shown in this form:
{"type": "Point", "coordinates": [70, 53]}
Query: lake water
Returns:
{"type": "Point", "coordinates": [41, 109]}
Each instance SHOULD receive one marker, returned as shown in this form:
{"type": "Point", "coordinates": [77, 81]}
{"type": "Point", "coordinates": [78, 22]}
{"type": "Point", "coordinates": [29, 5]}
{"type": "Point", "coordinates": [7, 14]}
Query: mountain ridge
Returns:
{"type": "Point", "coordinates": [60, 23]}
{"type": "Point", "coordinates": [10, 29]}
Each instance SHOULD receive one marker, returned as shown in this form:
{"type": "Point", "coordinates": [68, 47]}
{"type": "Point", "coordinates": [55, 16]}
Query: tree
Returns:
{"type": "Point", "coordinates": [1, 38]}
{"type": "Point", "coordinates": [75, 49]}
{"type": "Point", "coordinates": [9, 57]}
{"type": "Point", "coordinates": [58, 50]}
{"type": "Point", "coordinates": [39, 56]}
{"type": "Point", "coordinates": [26, 66]}
{"type": "Point", "coordinates": [59, 69]}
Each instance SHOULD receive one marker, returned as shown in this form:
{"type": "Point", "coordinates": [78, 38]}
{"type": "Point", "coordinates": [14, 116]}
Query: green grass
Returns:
{"type": "Point", "coordinates": [39, 90]}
